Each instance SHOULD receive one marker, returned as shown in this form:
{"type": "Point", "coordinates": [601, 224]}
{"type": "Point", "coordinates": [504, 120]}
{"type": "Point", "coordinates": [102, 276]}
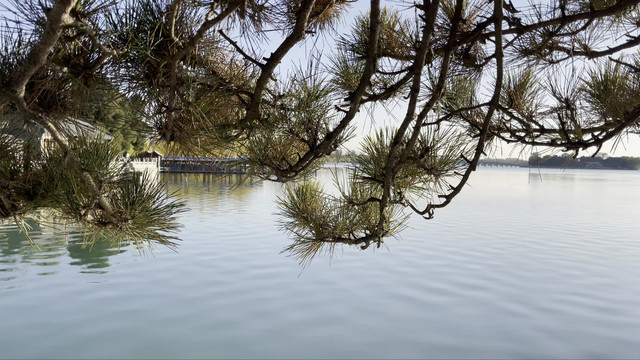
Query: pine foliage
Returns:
{"type": "Point", "coordinates": [207, 77]}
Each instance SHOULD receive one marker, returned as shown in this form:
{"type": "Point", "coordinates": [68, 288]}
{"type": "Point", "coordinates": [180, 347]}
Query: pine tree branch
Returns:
{"type": "Point", "coordinates": [297, 34]}
{"type": "Point", "coordinates": [355, 99]}
{"type": "Point", "coordinates": [494, 104]}
{"type": "Point", "coordinates": [57, 18]}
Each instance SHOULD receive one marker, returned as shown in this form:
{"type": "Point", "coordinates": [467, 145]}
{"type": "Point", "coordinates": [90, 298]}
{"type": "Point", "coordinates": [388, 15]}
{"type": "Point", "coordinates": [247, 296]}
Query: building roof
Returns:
{"type": "Point", "coordinates": [13, 125]}
{"type": "Point", "coordinates": [77, 127]}
{"type": "Point", "coordinates": [201, 159]}
{"type": "Point", "coordinates": [149, 154]}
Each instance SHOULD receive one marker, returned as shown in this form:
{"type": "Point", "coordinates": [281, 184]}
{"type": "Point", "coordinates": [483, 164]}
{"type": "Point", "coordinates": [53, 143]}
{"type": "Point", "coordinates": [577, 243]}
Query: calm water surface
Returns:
{"type": "Point", "coordinates": [516, 267]}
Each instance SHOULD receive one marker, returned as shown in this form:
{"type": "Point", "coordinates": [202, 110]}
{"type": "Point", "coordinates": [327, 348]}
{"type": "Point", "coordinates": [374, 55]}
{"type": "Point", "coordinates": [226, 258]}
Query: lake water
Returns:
{"type": "Point", "coordinates": [516, 267]}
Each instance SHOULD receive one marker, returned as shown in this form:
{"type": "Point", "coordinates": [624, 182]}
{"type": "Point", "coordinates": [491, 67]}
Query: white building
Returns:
{"type": "Point", "coordinates": [148, 161]}
{"type": "Point", "coordinates": [14, 128]}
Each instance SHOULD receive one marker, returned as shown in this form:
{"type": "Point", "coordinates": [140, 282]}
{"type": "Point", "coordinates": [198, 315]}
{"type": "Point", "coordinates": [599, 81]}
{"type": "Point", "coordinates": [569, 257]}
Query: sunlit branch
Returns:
{"type": "Point", "coordinates": [57, 18]}
{"type": "Point", "coordinates": [174, 8]}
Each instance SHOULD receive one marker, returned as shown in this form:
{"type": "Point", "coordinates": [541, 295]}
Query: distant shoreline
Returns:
{"type": "Point", "coordinates": [547, 162]}
{"type": "Point", "coordinates": [567, 162]}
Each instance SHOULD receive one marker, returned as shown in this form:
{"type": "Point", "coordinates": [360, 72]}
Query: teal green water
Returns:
{"type": "Point", "coordinates": [514, 268]}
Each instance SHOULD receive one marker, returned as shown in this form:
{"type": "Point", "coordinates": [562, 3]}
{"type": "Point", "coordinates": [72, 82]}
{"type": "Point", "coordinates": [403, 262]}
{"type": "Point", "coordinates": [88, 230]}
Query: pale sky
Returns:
{"type": "Point", "coordinates": [368, 122]}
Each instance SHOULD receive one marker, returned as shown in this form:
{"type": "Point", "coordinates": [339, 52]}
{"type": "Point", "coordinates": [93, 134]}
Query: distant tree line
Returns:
{"type": "Point", "coordinates": [340, 156]}
{"type": "Point", "coordinates": [597, 162]}
{"type": "Point", "coordinates": [505, 162]}
{"type": "Point", "coordinates": [118, 114]}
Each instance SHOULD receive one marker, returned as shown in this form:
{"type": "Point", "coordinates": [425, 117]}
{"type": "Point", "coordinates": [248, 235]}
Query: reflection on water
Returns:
{"type": "Point", "coordinates": [18, 254]}
{"type": "Point", "coordinates": [512, 269]}
{"type": "Point", "coordinates": [92, 257]}
{"type": "Point", "coordinates": [54, 246]}
{"type": "Point", "coordinates": [213, 185]}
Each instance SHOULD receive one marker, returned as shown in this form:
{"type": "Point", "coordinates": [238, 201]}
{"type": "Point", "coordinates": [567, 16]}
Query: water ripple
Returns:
{"type": "Point", "coordinates": [511, 269]}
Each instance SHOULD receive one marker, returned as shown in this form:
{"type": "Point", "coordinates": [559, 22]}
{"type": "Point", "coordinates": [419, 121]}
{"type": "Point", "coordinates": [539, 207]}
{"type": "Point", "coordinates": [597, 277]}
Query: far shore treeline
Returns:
{"type": "Point", "coordinates": [535, 160]}
{"type": "Point", "coordinates": [585, 162]}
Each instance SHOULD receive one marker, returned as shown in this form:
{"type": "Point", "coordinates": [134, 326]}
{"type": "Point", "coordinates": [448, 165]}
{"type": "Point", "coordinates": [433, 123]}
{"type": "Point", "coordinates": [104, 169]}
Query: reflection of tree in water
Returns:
{"type": "Point", "coordinates": [52, 243]}
{"type": "Point", "coordinates": [15, 250]}
{"type": "Point", "coordinates": [10, 248]}
{"type": "Point", "coordinates": [94, 256]}
{"type": "Point", "coordinates": [11, 241]}
{"type": "Point", "coordinates": [49, 241]}
{"type": "Point", "coordinates": [55, 241]}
